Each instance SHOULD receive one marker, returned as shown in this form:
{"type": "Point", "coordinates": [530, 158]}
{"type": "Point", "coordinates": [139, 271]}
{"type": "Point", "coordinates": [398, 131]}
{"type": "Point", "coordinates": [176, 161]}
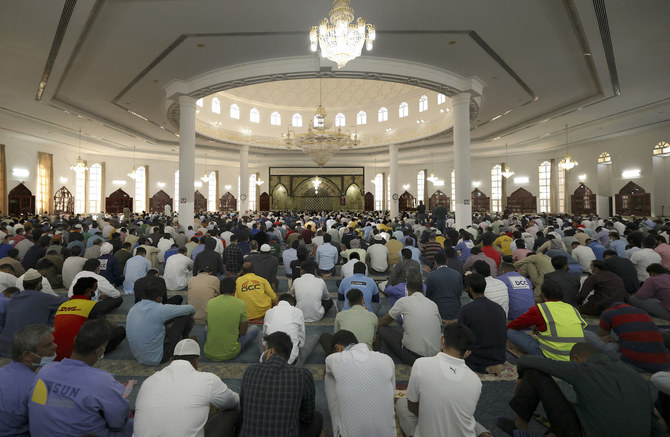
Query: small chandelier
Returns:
{"type": "Point", "coordinates": [316, 183]}
{"type": "Point", "coordinates": [567, 163]}
{"type": "Point", "coordinates": [133, 172]}
{"type": "Point", "coordinates": [259, 181]}
{"type": "Point", "coordinates": [507, 173]}
{"type": "Point", "coordinates": [340, 40]}
{"type": "Point", "coordinates": [432, 178]}
{"type": "Point", "coordinates": [79, 165]}
{"type": "Point", "coordinates": [205, 176]}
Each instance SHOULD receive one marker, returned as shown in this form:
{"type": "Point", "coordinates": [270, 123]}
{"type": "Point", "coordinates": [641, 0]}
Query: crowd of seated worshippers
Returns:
{"type": "Point", "coordinates": [537, 301]}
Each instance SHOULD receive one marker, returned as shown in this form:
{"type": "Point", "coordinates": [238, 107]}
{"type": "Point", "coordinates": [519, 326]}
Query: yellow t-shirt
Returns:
{"type": "Point", "coordinates": [505, 244]}
{"type": "Point", "coordinates": [257, 294]}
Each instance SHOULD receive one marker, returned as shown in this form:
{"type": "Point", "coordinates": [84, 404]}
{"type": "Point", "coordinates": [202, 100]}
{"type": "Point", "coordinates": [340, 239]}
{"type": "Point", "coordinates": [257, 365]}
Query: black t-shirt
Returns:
{"type": "Point", "coordinates": [488, 322]}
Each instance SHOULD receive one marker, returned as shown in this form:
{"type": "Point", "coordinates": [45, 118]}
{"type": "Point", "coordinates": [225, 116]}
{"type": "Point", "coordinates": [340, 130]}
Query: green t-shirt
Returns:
{"type": "Point", "coordinates": [224, 315]}
{"type": "Point", "coordinates": [361, 322]}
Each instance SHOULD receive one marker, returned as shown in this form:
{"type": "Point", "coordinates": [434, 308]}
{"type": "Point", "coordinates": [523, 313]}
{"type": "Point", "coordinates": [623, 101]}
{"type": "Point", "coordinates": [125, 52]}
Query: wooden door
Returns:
{"type": "Point", "coordinates": [227, 202]}
{"type": "Point", "coordinates": [21, 201]}
{"type": "Point", "coordinates": [264, 202]}
{"type": "Point", "coordinates": [369, 201]}
{"type": "Point", "coordinates": [199, 202]}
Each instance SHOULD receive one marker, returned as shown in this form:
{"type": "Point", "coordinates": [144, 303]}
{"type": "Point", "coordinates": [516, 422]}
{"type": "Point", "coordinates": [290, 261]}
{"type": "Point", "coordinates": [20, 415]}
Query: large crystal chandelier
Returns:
{"type": "Point", "coordinates": [340, 40]}
{"type": "Point", "coordinates": [567, 163]}
{"type": "Point", "coordinates": [320, 143]}
{"type": "Point", "coordinates": [79, 165]}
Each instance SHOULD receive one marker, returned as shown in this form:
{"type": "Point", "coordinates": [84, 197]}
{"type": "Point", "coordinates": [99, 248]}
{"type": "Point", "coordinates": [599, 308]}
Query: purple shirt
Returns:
{"type": "Point", "coordinates": [521, 296]}
{"type": "Point", "coordinates": [657, 287]}
{"type": "Point", "coordinates": [72, 398]}
{"type": "Point", "coordinates": [16, 380]}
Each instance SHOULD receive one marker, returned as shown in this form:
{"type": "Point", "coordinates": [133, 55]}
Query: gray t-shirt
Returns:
{"type": "Point", "coordinates": [421, 324]}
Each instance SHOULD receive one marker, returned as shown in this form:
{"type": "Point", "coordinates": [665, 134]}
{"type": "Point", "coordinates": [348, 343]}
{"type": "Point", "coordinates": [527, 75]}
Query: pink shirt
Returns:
{"type": "Point", "coordinates": [518, 254]}
{"type": "Point", "coordinates": [664, 250]}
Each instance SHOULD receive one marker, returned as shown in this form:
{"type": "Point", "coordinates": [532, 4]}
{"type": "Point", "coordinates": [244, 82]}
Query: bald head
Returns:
{"type": "Point", "coordinates": [582, 352]}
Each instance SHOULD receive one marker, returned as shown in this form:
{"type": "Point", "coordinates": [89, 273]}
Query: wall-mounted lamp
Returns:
{"type": "Point", "coordinates": [20, 172]}
{"type": "Point", "coordinates": [582, 177]}
{"type": "Point", "coordinates": [405, 187]}
{"type": "Point", "coordinates": [161, 184]}
{"type": "Point", "coordinates": [228, 187]}
{"type": "Point", "coordinates": [63, 180]}
{"type": "Point", "coordinates": [521, 180]}
{"type": "Point", "coordinates": [476, 184]}
{"type": "Point", "coordinates": [635, 173]}
{"type": "Point", "coordinates": [197, 184]}
{"type": "Point", "coordinates": [118, 182]}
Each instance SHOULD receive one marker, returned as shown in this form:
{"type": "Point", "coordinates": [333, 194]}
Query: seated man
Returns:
{"type": "Point", "coordinates": [398, 291]}
{"type": "Point", "coordinates": [399, 272]}
{"type": "Point", "coordinates": [154, 329]}
{"type": "Point", "coordinates": [567, 281]}
{"type": "Point", "coordinates": [158, 412]}
{"type": "Point", "coordinates": [109, 265]}
{"type": "Point", "coordinates": [264, 262]}
{"type": "Point", "coordinates": [638, 340]}
{"type": "Point", "coordinates": [378, 255]}
{"type": "Point", "coordinates": [136, 268]}
{"type": "Point", "coordinates": [201, 289]}
{"type": "Point", "coordinates": [358, 280]}
{"type": "Point", "coordinates": [43, 267]}
{"type": "Point", "coordinates": [420, 335]}
{"type": "Point", "coordinates": [178, 270]}
{"type": "Point", "coordinates": [606, 286]}
{"type": "Point", "coordinates": [557, 324]}
{"type": "Point", "coordinates": [72, 397]}
{"type": "Point", "coordinates": [444, 286]}
{"type": "Point", "coordinates": [256, 292]}
{"type": "Point", "coordinates": [311, 293]}
{"type": "Point", "coordinates": [487, 320]}
{"type": "Point", "coordinates": [654, 294]}
{"type": "Point", "coordinates": [361, 405]}
{"type": "Point", "coordinates": [357, 319]}
{"type": "Point", "coordinates": [628, 411]}
{"type": "Point", "coordinates": [109, 298]}
{"type": "Point", "coordinates": [519, 290]}
{"type": "Point", "coordinates": [5, 297]}
{"type": "Point", "coordinates": [622, 266]}
{"type": "Point", "coordinates": [72, 314]}
{"type": "Point", "coordinates": [28, 307]}
{"type": "Point", "coordinates": [429, 250]}
{"type": "Point", "coordinates": [228, 330]}
{"type": "Point", "coordinates": [326, 257]}
{"type": "Point", "coordinates": [496, 290]}
{"type": "Point", "coordinates": [445, 399]}
{"type": "Point", "coordinates": [534, 267]}
{"type": "Point", "coordinates": [32, 347]}
{"type": "Point", "coordinates": [287, 318]}
{"type": "Point", "coordinates": [140, 287]}
{"type": "Point", "coordinates": [293, 412]}
{"type": "Point", "coordinates": [478, 255]}
{"type": "Point", "coordinates": [347, 268]}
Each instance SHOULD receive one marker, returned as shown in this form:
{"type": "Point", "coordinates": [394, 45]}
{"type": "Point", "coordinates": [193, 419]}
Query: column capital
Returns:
{"type": "Point", "coordinates": [186, 101]}
{"type": "Point", "coordinates": [460, 99]}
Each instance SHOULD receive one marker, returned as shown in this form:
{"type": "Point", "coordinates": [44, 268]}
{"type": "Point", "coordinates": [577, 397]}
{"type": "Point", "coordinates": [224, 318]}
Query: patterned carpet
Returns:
{"type": "Point", "coordinates": [496, 391]}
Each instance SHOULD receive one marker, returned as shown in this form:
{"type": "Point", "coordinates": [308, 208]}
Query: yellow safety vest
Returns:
{"type": "Point", "coordinates": [565, 327]}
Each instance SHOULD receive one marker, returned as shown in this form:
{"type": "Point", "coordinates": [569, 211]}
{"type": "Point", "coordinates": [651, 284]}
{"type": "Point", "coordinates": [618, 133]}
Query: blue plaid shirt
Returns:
{"type": "Point", "coordinates": [275, 398]}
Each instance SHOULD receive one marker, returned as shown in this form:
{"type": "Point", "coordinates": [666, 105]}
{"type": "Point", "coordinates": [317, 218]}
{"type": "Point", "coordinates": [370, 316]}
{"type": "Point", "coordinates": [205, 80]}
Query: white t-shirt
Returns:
{"type": "Point", "coordinates": [379, 255]}
{"type": "Point", "coordinates": [178, 270]}
{"type": "Point", "coordinates": [309, 291]}
{"type": "Point", "coordinates": [642, 259]}
{"type": "Point", "coordinates": [288, 319]}
{"type": "Point", "coordinates": [496, 290]}
{"type": "Point", "coordinates": [447, 392]}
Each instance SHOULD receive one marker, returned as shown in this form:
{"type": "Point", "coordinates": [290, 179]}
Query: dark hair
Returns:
{"type": "Point", "coordinates": [414, 281]}
{"type": "Point", "coordinates": [440, 258]}
{"type": "Point", "coordinates": [520, 243]}
{"type": "Point", "coordinates": [155, 288]}
{"type": "Point", "coordinates": [406, 253]}
{"type": "Point", "coordinates": [308, 266]}
{"type": "Point", "coordinates": [281, 343]}
{"type": "Point", "coordinates": [449, 251]}
{"type": "Point", "coordinates": [288, 297]}
{"type": "Point", "coordinates": [599, 264]}
{"type": "Point", "coordinates": [83, 284]}
{"type": "Point", "coordinates": [459, 337]}
{"type": "Point", "coordinates": [75, 250]}
{"type": "Point", "coordinates": [488, 239]}
{"type": "Point", "coordinates": [295, 244]}
{"type": "Point", "coordinates": [354, 296]}
{"type": "Point", "coordinates": [9, 291]}
{"type": "Point", "coordinates": [559, 262]}
{"type": "Point", "coordinates": [31, 285]}
{"type": "Point", "coordinates": [610, 252]}
{"type": "Point", "coordinates": [44, 264]}
{"type": "Point", "coordinates": [477, 282]}
{"type": "Point", "coordinates": [482, 267]}
{"type": "Point", "coordinates": [327, 238]}
{"type": "Point", "coordinates": [140, 251]}
{"type": "Point", "coordinates": [360, 267]}
{"type": "Point", "coordinates": [354, 255]}
{"type": "Point", "coordinates": [182, 250]}
{"type": "Point", "coordinates": [227, 285]}
{"type": "Point", "coordinates": [657, 269]}
{"type": "Point", "coordinates": [649, 242]}
{"type": "Point", "coordinates": [475, 250]}
{"type": "Point", "coordinates": [92, 335]}
{"type": "Point", "coordinates": [343, 338]}
{"type": "Point", "coordinates": [91, 264]}
{"type": "Point", "coordinates": [7, 266]}
{"type": "Point", "coordinates": [551, 290]}
{"type": "Point", "coordinates": [152, 272]}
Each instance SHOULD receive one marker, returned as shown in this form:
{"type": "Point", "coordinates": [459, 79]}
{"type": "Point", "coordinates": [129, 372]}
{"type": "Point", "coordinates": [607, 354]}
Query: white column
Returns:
{"type": "Point", "coordinates": [244, 179]}
{"type": "Point", "coordinates": [393, 159]}
{"type": "Point", "coordinates": [186, 160]}
{"type": "Point", "coordinates": [460, 105]}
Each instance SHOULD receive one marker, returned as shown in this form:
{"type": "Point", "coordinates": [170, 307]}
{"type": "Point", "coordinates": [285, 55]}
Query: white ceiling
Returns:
{"type": "Point", "coordinates": [540, 60]}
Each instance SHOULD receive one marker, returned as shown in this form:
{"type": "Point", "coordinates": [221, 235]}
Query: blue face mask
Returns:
{"type": "Point", "coordinates": [44, 360]}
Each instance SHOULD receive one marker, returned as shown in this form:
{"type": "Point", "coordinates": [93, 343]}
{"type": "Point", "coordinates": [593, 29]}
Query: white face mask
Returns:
{"type": "Point", "coordinates": [44, 360]}
{"type": "Point", "coordinates": [262, 358]}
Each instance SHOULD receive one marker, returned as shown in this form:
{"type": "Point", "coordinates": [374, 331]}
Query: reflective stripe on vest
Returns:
{"type": "Point", "coordinates": [554, 344]}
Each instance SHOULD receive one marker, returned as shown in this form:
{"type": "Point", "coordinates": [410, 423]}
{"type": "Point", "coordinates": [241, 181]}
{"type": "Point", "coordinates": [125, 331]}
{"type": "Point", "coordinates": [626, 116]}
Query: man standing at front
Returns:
{"type": "Point", "coordinates": [278, 399]}
{"type": "Point", "coordinates": [443, 392]}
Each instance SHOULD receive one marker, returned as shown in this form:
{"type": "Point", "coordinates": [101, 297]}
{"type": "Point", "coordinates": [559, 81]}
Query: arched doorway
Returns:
{"type": "Point", "coordinates": [633, 200]}
{"type": "Point", "coordinates": [583, 200]}
{"type": "Point", "coordinates": [354, 199]}
{"type": "Point", "coordinates": [227, 202]}
{"type": "Point", "coordinates": [406, 202]}
{"type": "Point", "coordinates": [438, 199]}
{"type": "Point", "coordinates": [63, 201]}
{"type": "Point", "coordinates": [280, 198]}
{"type": "Point", "coordinates": [317, 194]}
{"type": "Point", "coordinates": [118, 200]}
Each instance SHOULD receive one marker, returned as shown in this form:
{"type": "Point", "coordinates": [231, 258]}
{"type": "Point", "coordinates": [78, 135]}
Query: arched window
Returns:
{"type": "Point", "coordinates": [662, 149]}
{"type": "Point", "coordinates": [379, 192]}
{"type": "Point", "coordinates": [140, 189]}
{"type": "Point", "coordinates": [199, 102]}
{"type": "Point", "coordinates": [545, 186]}
{"type": "Point", "coordinates": [441, 98]}
{"type": "Point", "coordinates": [211, 190]}
{"type": "Point", "coordinates": [254, 116]}
{"type": "Point", "coordinates": [252, 192]}
{"type": "Point", "coordinates": [605, 158]}
{"type": "Point", "coordinates": [420, 185]}
{"type": "Point", "coordinates": [79, 192]}
{"type": "Point", "coordinates": [296, 121]}
{"type": "Point", "coordinates": [388, 192]}
{"type": "Point", "coordinates": [403, 110]}
{"type": "Point", "coordinates": [496, 188]}
{"type": "Point", "coordinates": [382, 114]}
{"type": "Point", "coordinates": [94, 188]}
{"type": "Point", "coordinates": [176, 191]}
{"type": "Point", "coordinates": [340, 120]}
{"type": "Point", "coordinates": [216, 106]}
{"type": "Point", "coordinates": [235, 111]}
{"type": "Point", "coordinates": [453, 187]}
{"type": "Point", "coordinates": [275, 119]}
{"type": "Point", "coordinates": [423, 103]}
{"type": "Point", "coordinates": [361, 118]}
